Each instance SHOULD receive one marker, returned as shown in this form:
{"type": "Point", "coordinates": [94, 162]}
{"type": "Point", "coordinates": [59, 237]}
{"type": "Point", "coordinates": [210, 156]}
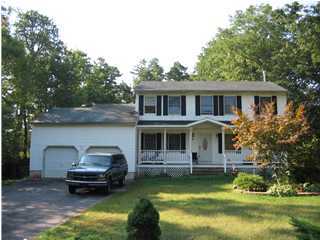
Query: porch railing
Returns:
{"type": "Point", "coordinates": [163, 157]}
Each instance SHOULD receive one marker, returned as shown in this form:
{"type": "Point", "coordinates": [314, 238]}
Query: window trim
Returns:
{"type": "Point", "coordinates": [174, 114]}
{"type": "Point", "coordinates": [212, 110]}
{"type": "Point", "coordinates": [224, 104]}
{"type": "Point", "coordinates": [155, 106]}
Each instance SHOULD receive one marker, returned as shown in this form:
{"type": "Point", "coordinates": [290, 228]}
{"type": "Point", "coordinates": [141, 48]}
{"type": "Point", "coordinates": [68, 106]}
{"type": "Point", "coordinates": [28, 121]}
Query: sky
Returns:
{"type": "Point", "coordinates": [126, 31]}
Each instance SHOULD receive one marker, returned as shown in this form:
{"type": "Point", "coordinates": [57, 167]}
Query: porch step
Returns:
{"type": "Point", "coordinates": [207, 171]}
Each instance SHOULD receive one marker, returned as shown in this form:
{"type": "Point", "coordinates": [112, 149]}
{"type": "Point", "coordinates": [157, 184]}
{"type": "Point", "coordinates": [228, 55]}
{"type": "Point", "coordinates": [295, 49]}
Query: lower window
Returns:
{"type": "Point", "coordinates": [229, 142]}
{"type": "Point", "coordinates": [176, 141]}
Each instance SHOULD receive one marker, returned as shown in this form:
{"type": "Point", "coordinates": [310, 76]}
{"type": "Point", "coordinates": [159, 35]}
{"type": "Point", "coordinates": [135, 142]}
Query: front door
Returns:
{"type": "Point", "coordinates": [205, 148]}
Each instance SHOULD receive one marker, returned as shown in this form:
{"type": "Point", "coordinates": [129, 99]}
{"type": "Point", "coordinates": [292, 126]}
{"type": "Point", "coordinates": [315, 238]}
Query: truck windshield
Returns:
{"type": "Point", "coordinates": [95, 160]}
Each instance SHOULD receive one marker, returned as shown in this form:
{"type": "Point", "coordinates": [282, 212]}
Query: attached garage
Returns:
{"type": "Point", "coordinates": [57, 160]}
{"type": "Point", "coordinates": [62, 135]}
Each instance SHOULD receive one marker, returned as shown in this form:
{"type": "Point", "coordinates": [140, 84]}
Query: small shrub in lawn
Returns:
{"type": "Point", "coordinates": [311, 187]}
{"type": "Point", "coordinates": [282, 190]}
{"type": "Point", "coordinates": [305, 229]}
{"type": "Point", "coordinates": [143, 222]}
{"type": "Point", "coordinates": [250, 182]}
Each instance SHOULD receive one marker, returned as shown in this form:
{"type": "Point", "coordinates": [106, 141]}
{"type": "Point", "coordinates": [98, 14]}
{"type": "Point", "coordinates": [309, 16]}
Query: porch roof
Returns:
{"type": "Point", "coordinates": [181, 123]}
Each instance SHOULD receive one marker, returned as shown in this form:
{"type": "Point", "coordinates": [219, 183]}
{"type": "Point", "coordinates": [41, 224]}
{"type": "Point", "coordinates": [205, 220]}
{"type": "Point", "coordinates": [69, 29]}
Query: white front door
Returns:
{"type": "Point", "coordinates": [205, 148]}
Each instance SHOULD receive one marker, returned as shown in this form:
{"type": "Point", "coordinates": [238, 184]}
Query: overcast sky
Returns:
{"type": "Point", "coordinates": [125, 31]}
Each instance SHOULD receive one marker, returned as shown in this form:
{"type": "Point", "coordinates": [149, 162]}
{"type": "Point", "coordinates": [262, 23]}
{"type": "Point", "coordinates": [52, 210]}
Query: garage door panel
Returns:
{"type": "Point", "coordinates": [58, 160]}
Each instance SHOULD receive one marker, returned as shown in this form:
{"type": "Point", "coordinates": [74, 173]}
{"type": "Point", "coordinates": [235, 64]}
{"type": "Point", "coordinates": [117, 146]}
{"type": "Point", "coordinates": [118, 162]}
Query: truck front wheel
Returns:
{"type": "Point", "coordinates": [72, 189]}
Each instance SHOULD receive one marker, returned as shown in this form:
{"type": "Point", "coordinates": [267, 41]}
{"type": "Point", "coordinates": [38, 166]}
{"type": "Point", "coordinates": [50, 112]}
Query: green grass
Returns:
{"type": "Point", "coordinates": [193, 208]}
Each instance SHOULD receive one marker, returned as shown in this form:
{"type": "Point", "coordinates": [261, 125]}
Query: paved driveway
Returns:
{"type": "Point", "coordinates": [29, 207]}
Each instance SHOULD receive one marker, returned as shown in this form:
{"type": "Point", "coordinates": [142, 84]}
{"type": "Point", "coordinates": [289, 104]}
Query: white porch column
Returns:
{"type": "Point", "coordinates": [223, 151]}
{"type": "Point", "coordinates": [165, 144]}
{"type": "Point", "coordinates": [190, 149]}
{"type": "Point", "coordinates": [139, 145]}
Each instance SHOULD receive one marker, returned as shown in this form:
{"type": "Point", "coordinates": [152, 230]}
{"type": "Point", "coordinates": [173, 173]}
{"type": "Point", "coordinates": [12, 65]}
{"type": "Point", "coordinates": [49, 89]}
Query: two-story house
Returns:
{"type": "Point", "coordinates": [173, 128]}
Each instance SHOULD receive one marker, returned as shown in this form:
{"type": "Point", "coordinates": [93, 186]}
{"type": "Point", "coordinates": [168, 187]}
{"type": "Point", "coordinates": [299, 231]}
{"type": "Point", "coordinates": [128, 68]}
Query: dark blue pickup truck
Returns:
{"type": "Point", "coordinates": [97, 170]}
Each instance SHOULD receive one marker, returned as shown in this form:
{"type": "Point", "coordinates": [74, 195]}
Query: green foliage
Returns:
{"type": "Point", "coordinates": [143, 222]}
{"type": "Point", "coordinates": [282, 190]}
{"type": "Point", "coordinates": [177, 72]}
{"type": "Point", "coordinates": [304, 164]}
{"type": "Point", "coordinates": [250, 182]}
{"type": "Point", "coordinates": [148, 71]}
{"type": "Point", "coordinates": [305, 229]}
{"type": "Point", "coordinates": [311, 187]}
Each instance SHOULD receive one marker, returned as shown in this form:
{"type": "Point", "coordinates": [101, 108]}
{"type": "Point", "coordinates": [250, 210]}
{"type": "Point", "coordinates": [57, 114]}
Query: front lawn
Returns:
{"type": "Point", "coordinates": [192, 208]}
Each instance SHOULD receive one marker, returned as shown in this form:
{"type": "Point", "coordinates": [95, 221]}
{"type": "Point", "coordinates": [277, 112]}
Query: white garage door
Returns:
{"type": "Point", "coordinates": [58, 159]}
{"type": "Point", "coordinates": [103, 149]}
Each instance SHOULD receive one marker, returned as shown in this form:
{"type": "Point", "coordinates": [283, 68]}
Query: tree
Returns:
{"type": "Point", "coordinates": [272, 138]}
{"type": "Point", "coordinates": [101, 86]}
{"type": "Point", "coordinates": [283, 42]}
{"type": "Point", "coordinates": [143, 222]}
{"type": "Point", "coordinates": [177, 72]}
{"type": "Point", "coordinates": [124, 93]}
{"type": "Point", "coordinates": [148, 71]}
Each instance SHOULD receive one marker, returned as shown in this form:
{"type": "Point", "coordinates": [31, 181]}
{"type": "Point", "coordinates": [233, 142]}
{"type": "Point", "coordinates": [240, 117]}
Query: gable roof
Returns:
{"type": "Point", "coordinates": [97, 114]}
{"type": "Point", "coordinates": [205, 86]}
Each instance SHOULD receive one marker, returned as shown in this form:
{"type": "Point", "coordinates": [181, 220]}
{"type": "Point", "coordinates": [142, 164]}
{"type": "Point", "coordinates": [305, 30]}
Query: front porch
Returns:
{"type": "Point", "coordinates": [202, 144]}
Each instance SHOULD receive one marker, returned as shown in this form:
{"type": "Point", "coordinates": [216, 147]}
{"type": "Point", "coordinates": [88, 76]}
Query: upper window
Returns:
{"type": "Point", "coordinates": [174, 105]}
{"type": "Point", "coordinates": [150, 104]}
{"type": "Point", "coordinates": [229, 142]}
{"type": "Point", "coordinates": [230, 102]}
{"type": "Point", "coordinates": [206, 105]}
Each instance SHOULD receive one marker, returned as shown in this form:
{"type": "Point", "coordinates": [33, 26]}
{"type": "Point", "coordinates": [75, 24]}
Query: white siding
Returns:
{"type": "Point", "coordinates": [82, 137]}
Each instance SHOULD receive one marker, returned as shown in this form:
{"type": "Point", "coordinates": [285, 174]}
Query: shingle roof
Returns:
{"type": "Point", "coordinates": [97, 114]}
{"type": "Point", "coordinates": [204, 86]}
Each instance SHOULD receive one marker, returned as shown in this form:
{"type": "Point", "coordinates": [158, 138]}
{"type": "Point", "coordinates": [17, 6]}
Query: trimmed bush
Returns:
{"type": "Point", "coordinates": [305, 229]}
{"type": "Point", "coordinates": [282, 190]}
{"type": "Point", "coordinates": [250, 182]}
{"type": "Point", "coordinates": [311, 187]}
{"type": "Point", "coordinates": [143, 222]}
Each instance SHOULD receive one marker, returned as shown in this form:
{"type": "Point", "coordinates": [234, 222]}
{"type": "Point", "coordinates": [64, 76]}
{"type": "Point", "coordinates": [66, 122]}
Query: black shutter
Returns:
{"type": "Point", "coordinates": [183, 105]}
{"type": "Point", "coordinates": [158, 141]}
{"type": "Point", "coordinates": [165, 105]}
{"type": "Point", "coordinates": [239, 103]}
{"type": "Point", "coordinates": [221, 108]}
{"type": "Point", "coordinates": [183, 141]}
{"type": "Point", "coordinates": [275, 105]}
{"type": "Point", "coordinates": [159, 99]}
{"type": "Point", "coordinates": [141, 100]}
{"type": "Point", "coordinates": [142, 141]}
{"type": "Point", "coordinates": [215, 106]}
{"type": "Point", "coordinates": [197, 105]}
{"type": "Point", "coordinates": [219, 142]}
{"type": "Point", "coordinates": [257, 104]}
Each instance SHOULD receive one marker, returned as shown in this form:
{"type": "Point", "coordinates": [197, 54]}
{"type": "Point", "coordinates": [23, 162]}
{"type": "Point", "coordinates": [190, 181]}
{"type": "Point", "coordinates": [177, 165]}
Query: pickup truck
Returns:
{"type": "Point", "coordinates": [97, 170]}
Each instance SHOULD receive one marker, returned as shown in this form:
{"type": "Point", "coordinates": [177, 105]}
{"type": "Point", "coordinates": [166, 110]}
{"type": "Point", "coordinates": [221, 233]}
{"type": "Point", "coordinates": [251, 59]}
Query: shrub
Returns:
{"type": "Point", "coordinates": [250, 182]}
{"type": "Point", "coordinates": [143, 222]}
{"type": "Point", "coordinates": [305, 229]}
{"type": "Point", "coordinates": [282, 190]}
{"type": "Point", "coordinates": [309, 187]}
